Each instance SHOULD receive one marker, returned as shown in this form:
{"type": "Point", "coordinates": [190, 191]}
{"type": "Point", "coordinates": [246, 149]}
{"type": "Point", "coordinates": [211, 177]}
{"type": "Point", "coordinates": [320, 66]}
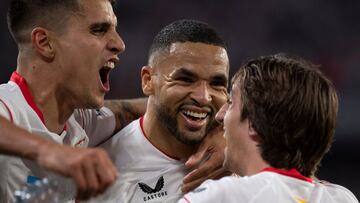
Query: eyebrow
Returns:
{"type": "Point", "coordinates": [104, 24]}
{"type": "Point", "coordinates": [184, 72]}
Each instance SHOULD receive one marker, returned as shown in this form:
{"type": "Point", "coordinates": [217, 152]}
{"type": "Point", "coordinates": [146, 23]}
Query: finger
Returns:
{"type": "Point", "coordinates": [187, 187]}
{"type": "Point", "coordinates": [106, 173]}
{"type": "Point", "coordinates": [196, 158]}
{"type": "Point", "coordinates": [79, 178]}
{"type": "Point", "coordinates": [92, 183]}
{"type": "Point", "coordinates": [204, 169]}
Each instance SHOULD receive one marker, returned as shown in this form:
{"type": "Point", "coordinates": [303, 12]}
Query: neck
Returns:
{"type": "Point", "coordinates": [254, 164]}
{"type": "Point", "coordinates": [42, 87]}
{"type": "Point", "coordinates": [163, 140]}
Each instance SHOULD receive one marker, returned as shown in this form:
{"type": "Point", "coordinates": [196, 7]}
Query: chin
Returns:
{"type": "Point", "coordinates": [95, 103]}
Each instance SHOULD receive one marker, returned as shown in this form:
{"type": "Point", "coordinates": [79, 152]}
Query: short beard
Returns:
{"type": "Point", "coordinates": [170, 123]}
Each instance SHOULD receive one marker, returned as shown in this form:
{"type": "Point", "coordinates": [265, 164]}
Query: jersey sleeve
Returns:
{"type": "Point", "coordinates": [99, 124]}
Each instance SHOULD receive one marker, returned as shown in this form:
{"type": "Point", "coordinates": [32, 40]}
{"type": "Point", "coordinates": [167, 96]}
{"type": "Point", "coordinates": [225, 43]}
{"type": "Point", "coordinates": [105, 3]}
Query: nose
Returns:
{"type": "Point", "coordinates": [116, 45]}
{"type": "Point", "coordinates": [201, 93]}
{"type": "Point", "coordinates": [219, 117]}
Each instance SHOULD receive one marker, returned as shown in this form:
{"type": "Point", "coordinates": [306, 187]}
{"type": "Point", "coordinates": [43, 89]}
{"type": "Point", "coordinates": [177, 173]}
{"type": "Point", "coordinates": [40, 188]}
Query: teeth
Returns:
{"type": "Point", "coordinates": [195, 114]}
{"type": "Point", "coordinates": [110, 65]}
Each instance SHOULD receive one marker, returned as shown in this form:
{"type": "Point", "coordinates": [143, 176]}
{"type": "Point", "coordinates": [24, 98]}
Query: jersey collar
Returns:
{"type": "Point", "coordinates": [20, 81]}
{"type": "Point", "coordinates": [291, 173]}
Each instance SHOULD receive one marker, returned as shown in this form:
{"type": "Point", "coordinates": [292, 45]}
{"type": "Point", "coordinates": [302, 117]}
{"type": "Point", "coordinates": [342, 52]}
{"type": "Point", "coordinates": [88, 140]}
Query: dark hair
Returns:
{"type": "Point", "coordinates": [24, 15]}
{"type": "Point", "coordinates": [185, 31]}
{"type": "Point", "coordinates": [293, 108]}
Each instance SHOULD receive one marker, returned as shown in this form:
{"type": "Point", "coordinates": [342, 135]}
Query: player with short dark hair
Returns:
{"type": "Point", "coordinates": [186, 83]}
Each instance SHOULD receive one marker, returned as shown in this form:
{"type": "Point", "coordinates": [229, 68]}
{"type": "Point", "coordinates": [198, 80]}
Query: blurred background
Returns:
{"type": "Point", "coordinates": [327, 32]}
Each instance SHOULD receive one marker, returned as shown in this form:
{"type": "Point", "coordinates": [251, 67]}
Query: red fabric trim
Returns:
{"type": "Point", "coordinates": [8, 109]}
{"type": "Point", "coordinates": [186, 199]}
{"type": "Point", "coordinates": [291, 173]}
{"type": "Point", "coordinates": [20, 81]}
{"type": "Point", "coordinates": [142, 129]}
{"type": "Point", "coordinates": [80, 142]}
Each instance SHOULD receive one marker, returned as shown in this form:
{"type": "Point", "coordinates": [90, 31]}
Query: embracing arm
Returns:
{"type": "Point", "coordinates": [18, 142]}
{"type": "Point", "coordinates": [126, 111]}
{"type": "Point", "coordinates": [91, 169]}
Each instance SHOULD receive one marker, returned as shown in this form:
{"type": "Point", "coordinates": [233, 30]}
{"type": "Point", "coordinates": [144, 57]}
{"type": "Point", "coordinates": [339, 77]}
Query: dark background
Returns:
{"type": "Point", "coordinates": [326, 32]}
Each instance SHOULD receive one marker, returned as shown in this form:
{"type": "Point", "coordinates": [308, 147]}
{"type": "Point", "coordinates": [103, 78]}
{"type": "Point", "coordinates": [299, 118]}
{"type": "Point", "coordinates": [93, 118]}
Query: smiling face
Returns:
{"type": "Point", "coordinates": [189, 87]}
{"type": "Point", "coordinates": [86, 52]}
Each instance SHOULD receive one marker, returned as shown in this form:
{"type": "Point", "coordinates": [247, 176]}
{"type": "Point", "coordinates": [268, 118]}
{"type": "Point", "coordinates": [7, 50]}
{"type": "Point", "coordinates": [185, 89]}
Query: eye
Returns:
{"type": "Point", "coordinates": [99, 28]}
{"type": "Point", "coordinates": [98, 31]}
{"type": "Point", "coordinates": [218, 84]}
{"type": "Point", "coordinates": [185, 79]}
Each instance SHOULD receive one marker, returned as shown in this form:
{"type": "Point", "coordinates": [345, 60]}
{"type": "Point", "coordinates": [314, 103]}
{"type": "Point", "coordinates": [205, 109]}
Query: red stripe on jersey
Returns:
{"type": "Point", "coordinates": [291, 173]}
{"type": "Point", "coordinates": [8, 109]}
{"type": "Point", "coordinates": [142, 129]}
{"type": "Point", "coordinates": [20, 81]}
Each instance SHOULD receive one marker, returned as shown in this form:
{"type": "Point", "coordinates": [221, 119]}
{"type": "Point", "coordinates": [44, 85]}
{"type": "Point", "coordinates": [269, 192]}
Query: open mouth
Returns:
{"type": "Point", "coordinates": [195, 116]}
{"type": "Point", "coordinates": [104, 73]}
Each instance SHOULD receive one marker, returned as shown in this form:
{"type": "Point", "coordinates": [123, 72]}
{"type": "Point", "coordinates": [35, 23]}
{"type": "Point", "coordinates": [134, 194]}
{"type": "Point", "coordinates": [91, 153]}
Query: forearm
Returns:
{"type": "Point", "coordinates": [126, 110]}
{"type": "Point", "coordinates": [19, 142]}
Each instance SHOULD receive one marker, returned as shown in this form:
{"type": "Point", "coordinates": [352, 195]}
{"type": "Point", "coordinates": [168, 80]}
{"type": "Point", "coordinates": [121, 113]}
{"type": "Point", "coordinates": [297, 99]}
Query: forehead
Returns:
{"type": "Point", "coordinates": [195, 56]}
{"type": "Point", "coordinates": [235, 92]}
{"type": "Point", "coordinates": [97, 11]}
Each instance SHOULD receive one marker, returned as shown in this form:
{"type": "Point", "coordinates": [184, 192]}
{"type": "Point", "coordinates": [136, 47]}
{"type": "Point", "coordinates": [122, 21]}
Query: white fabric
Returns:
{"type": "Point", "coordinates": [268, 187]}
{"type": "Point", "coordinates": [14, 170]}
{"type": "Point", "coordinates": [141, 163]}
{"type": "Point", "coordinates": [4, 111]}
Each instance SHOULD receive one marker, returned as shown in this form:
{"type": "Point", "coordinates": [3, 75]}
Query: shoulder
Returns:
{"type": "Point", "coordinates": [132, 129]}
{"type": "Point", "coordinates": [229, 189]}
{"type": "Point", "coordinates": [9, 92]}
{"type": "Point", "coordinates": [222, 190]}
{"type": "Point", "coordinates": [338, 192]}
{"type": "Point", "coordinates": [125, 139]}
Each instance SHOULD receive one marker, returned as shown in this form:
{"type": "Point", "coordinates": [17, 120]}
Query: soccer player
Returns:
{"type": "Point", "coordinates": [186, 83]}
{"type": "Point", "coordinates": [67, 49]}
{"type": "Point", "coordinates": [279, 123]}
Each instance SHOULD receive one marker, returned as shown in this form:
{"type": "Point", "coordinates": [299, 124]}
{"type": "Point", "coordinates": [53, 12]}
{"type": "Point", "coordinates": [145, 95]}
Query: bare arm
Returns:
{"type": "Point", "coordinates": [91, 169]}
{"type": "Point", "coordinates": [126, 110]}
{"type": "Point", "coordinates": [18, 142]}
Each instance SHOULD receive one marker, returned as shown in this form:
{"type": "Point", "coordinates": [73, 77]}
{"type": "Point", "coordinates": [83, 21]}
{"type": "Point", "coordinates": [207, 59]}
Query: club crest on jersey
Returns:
{"type": "Point", "coordinates": [154, 192]}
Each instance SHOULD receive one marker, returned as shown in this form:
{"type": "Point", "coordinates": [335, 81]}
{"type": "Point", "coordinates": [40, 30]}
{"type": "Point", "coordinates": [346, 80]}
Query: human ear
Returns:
{"type": "Point", "coordinates": [41, 42]}
{"type": "Point", "coordinates": [147, 80]}
{"type": "Point", "coordinates": [252, 132]}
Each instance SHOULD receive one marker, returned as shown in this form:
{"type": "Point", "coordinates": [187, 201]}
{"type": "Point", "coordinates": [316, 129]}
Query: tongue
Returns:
{"type": "Point", "coordinates": [104, 76]}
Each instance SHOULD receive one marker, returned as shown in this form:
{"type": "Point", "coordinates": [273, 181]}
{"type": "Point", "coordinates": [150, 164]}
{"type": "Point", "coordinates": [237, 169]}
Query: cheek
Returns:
{"type": "Point", "coordinates": [219, 99]}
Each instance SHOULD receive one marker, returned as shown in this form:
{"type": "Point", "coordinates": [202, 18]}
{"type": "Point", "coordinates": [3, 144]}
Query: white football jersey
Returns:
{"type": "Point", "coordinates": [18, 106]}
{"type": "Point", "coordinates": [270, 185]}
{"type": "Point", "coordinates": [145, 173]}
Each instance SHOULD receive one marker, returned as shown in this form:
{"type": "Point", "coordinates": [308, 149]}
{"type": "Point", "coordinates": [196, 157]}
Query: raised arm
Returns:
{"type": "Point", "coordinates": [126, 110]}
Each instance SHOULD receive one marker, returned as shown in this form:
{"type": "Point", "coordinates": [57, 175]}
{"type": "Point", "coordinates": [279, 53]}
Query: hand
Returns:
{"type": "Point", "coordinates": [207, 161]}
{"type": "Point", "coordinates": [91, 169]}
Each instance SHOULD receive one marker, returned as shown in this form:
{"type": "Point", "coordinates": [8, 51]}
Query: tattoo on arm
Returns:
{"type": "Point", "coordinates": [126, 111]}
